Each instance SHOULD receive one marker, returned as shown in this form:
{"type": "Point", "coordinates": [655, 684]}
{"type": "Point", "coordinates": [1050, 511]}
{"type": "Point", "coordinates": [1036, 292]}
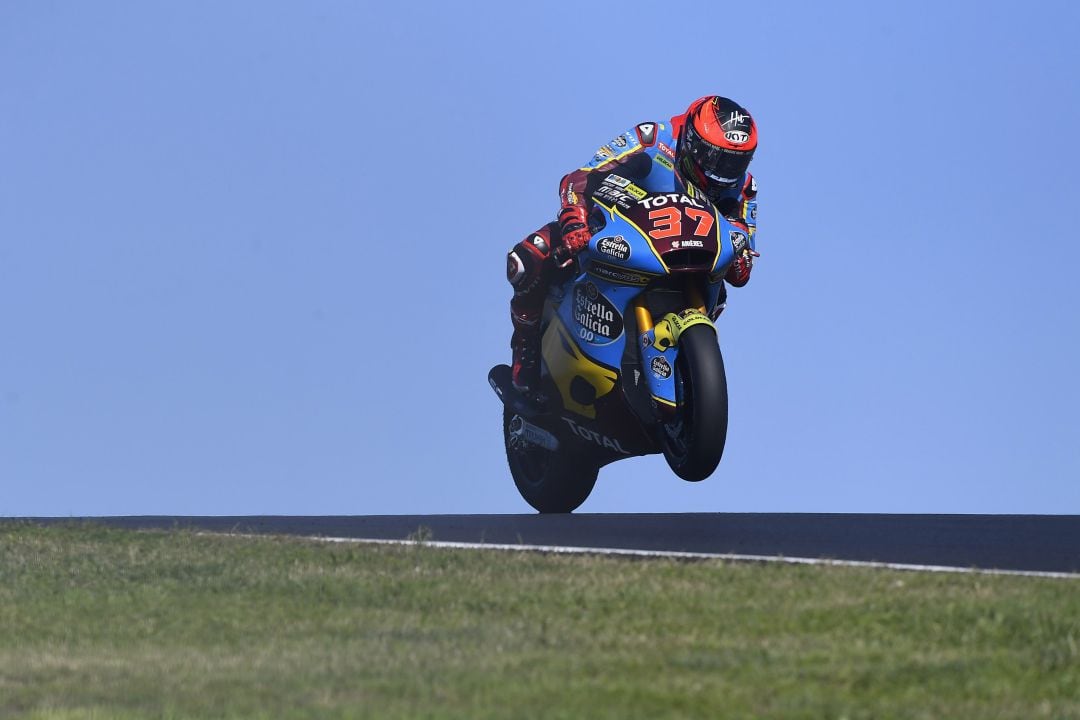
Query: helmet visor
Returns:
{"type": "Point", "coordinates": [721, 165]}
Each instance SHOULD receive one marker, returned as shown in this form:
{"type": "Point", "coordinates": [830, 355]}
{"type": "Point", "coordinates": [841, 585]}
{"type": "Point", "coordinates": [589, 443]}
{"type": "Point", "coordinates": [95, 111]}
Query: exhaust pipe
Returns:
{"type": "Point", "coordinates": [524, 432]}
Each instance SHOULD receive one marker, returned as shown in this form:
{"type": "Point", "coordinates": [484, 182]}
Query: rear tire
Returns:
{"type": "Point", "coordinates": [552, 482]}
{"type": "Point", "coordinates": [693, 442]}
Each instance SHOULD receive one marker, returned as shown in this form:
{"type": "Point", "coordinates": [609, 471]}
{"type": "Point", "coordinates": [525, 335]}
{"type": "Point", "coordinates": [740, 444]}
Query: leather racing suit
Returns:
{"type": "Point", "coordinates": [645, 155]}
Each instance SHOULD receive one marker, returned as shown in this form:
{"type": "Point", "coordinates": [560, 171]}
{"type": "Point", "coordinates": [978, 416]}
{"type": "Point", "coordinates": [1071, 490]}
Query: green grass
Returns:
{"type": "Point", "coordinates": [100, 623]}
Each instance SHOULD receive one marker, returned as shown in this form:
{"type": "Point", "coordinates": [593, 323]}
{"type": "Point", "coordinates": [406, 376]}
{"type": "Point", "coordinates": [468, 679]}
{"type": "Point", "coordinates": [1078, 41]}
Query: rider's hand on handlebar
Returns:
{"type": "Point", "coordinates": [573, 242]}
{"type": "Point", "coordinates": [738, 273]}
{"type": "Point", "coordinates": [574, 227]}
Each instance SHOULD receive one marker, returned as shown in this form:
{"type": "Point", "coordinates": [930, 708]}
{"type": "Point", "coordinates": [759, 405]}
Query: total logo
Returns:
{"type": "Point", "coordinates": [591, 435]}
{"type": "Point", "coordinates": [674, 198]}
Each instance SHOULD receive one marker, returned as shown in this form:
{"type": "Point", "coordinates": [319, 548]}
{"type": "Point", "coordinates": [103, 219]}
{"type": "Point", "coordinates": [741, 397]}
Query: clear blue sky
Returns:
{"type": "Point", "coordinates": [252, 253]}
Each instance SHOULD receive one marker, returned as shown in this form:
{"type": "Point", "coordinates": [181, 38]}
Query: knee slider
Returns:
{"type": "Point", "coordinates": [522, 270]}
{"type": "Point", "coordinates": [525, 262]}
{"type": "Point", "coordinates": [515, 268]}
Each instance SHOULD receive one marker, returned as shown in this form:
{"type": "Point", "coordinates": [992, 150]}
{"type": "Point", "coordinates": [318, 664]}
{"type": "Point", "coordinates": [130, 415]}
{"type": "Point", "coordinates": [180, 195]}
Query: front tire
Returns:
{"type": "Point", "coordinates": [552, 482]}
{"type": "Point", "coordinates": [693, 441]}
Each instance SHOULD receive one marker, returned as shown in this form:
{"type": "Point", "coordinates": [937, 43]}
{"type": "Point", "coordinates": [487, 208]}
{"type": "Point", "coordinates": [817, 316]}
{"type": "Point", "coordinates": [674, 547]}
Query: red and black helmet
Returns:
{"type": "Point", "coordinates": [717, 143]}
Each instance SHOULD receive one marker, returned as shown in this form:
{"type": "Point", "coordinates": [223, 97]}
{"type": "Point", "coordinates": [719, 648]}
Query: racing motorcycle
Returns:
{"type": "Point", "coordinates": [631, 364]}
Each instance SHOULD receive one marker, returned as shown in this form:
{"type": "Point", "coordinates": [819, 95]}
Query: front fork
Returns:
{"type": "Point", "coordinates": [658, 342]}
{"type": "Point", "coordinates": [645, 318]}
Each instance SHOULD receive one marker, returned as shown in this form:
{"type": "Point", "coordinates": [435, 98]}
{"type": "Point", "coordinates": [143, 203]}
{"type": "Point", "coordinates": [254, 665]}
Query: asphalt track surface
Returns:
{"type": "Point", "coordinates": [1038, 543]}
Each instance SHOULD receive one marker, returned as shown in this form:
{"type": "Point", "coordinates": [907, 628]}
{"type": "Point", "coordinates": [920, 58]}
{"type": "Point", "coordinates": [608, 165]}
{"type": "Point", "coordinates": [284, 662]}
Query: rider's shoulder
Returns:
{"type": "Point", "coordinates": [655, 137]}
{"type": "Point", "coordinates": [643, 136]}
{"type": "Point", "coordinates": [649, 132]}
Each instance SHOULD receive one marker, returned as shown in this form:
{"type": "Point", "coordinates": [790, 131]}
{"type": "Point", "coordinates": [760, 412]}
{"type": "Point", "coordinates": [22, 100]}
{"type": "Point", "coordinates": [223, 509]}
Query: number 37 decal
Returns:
{"type": "Point", "coordinates": [667, 222]}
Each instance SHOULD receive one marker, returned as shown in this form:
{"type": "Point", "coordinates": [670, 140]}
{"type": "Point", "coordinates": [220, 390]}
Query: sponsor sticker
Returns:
{"type": "Point", "coordinates": [616, 180]}
{"type": "Point", "coordinates": [738, 240]}
{"type": "Point", "coordinates": [636, 191]}
{"type": "Point", "coordinates": [620, 275]}
{"type": "Point", "coordinates": [665, 162]}
{"type": "Point", "coordinates": [660, 367]}
{"type": "Point", "coordinates": [666, 150]}
{"type": "Point", "coordinates": [592, 436]}
{"type": "Point", "coordinates": [613, 195]}
{"type": "Point", "coordinates": [614, 246]}
{"type": "Point", "coordinates": [596, 314]}
{"type": "Point", "coordinates": [660, 200]}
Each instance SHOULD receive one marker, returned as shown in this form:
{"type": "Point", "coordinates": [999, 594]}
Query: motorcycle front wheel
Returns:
{"type": "Point", "coordinates": [552, 482]}
{"type": "Point", "coordinates": [693, 441]}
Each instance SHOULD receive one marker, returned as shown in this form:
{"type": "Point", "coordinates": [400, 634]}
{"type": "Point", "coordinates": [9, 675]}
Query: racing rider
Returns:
{"type": "Point", "coordinates": [708, 147]}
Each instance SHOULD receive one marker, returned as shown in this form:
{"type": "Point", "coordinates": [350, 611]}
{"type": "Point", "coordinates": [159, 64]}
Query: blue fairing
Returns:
{"type": "Point", "coordinates": [640, 223]}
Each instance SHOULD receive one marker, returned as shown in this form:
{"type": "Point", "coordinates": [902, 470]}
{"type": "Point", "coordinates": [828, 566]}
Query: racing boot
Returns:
{"type": "Point", "coordinates": [526, 361]}
{"type": "Point", "coordinates": [528, 266]}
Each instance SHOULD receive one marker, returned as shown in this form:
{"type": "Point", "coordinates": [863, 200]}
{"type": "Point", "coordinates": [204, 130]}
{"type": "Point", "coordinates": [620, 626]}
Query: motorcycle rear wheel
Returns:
{"type": "Point", "coordinates": [552, 482]}
{"type": "Point", "coordinates": [693, 441]}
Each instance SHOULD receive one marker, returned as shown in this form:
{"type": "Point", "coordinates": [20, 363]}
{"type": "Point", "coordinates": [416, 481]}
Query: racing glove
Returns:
{"type": "Point", "coordinates": [738, 273]}
{"type": "Point", "coordinates": [574, 226]}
